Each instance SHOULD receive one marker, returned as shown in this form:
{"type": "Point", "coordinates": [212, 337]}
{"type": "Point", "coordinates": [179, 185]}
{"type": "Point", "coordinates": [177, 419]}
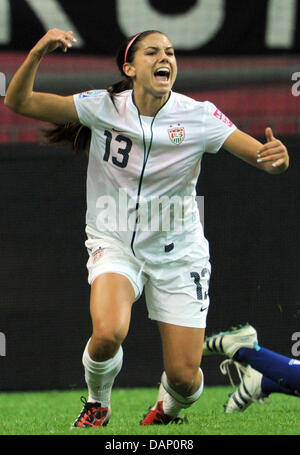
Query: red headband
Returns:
{"type": "Point", "coordinates": [128, 46]}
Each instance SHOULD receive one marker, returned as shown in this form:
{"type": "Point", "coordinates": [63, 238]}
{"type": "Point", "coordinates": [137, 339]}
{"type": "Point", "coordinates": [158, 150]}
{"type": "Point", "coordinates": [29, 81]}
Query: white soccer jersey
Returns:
{"type": "Point", "coordinates": [143, 171]}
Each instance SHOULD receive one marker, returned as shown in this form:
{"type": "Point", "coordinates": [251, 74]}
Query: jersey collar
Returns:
{"type": "Point", "coordinates": [165, 109]}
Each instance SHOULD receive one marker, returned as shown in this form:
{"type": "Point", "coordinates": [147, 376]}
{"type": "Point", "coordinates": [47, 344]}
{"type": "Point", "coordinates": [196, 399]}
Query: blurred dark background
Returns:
{"type": "Point", "coordinates": [251, 219]}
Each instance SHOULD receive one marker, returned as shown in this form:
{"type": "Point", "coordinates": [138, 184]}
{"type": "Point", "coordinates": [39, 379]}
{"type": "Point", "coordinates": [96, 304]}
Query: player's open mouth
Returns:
{"type": "Point", "coordinates": [162, 74]}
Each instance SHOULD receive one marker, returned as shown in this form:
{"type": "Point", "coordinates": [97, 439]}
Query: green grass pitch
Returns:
{"type": "Point", "coordinates": [53, 412]}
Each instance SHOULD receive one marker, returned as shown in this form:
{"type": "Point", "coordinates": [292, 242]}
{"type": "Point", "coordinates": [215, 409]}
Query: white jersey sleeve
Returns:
{"type": "Point", "coordinates": [217, 128]}
{"type": "Point", "coordinates": [89, 106]}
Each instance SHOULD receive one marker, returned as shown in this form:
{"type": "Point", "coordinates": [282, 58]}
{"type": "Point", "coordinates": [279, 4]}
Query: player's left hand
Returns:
{"type": "Point", "coordinates": [273, 154]}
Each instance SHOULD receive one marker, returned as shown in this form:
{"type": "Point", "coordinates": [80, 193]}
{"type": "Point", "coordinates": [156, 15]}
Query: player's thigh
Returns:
{"type": "Point", "coordinates": [182, 349]}
{"type": "Point", "coordinates": [116, 280]}
{"type": "Point", "coordinates": [177, 292]}
{"type": "Point", "coordinates": [111, 299]}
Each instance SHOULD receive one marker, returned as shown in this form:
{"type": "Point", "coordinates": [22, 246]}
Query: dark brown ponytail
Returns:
{"type": "Point", "coordinates": [73, 134]}
{"type": "Point", "coordinates": [118, 87]}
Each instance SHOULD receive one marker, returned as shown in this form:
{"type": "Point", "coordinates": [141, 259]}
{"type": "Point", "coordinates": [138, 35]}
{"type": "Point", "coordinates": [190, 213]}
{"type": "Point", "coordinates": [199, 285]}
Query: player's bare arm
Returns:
{"type": "Point", "coordinates": [271, 157]}
{"type": "Point", "coordinates": [20, 96]}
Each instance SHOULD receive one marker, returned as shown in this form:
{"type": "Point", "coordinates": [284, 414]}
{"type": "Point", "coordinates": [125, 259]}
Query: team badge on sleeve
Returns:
{"type": "Point", "coordinates": [222, 117]}
{"type": "Point", "coordinates": [89, 94]}
{"type": "Point", "coordinates": [176, 134]}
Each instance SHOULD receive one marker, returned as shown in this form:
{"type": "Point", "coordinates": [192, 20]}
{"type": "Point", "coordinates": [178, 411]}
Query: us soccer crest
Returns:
{"type": "Point", "coordinates": [176, 134]}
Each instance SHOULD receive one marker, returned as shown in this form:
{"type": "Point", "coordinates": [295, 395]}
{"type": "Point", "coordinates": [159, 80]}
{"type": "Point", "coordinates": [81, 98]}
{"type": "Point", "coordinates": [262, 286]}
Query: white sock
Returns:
{"type": "Point", "coordinates": [173, 402]}
{"type": "Point", "coordinates": [100, 376]}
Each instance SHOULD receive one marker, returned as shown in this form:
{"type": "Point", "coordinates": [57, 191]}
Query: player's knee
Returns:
{"type": "Point", "coordinates": [184, 380]}
{"type": "Point", "coordinates": [107, 342]}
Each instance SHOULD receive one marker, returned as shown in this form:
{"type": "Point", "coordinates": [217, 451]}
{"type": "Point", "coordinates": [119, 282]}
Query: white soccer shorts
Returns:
{"type": "Point", "coordinates": [176, 292]}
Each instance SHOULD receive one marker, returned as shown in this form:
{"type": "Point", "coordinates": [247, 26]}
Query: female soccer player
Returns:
{"type": "Point", "coordinates": [142, 220]}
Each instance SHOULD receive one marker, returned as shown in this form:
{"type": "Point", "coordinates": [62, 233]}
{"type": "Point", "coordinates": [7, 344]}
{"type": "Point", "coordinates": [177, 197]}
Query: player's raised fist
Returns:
{"type": "Point", "coordinates": [53, 39]}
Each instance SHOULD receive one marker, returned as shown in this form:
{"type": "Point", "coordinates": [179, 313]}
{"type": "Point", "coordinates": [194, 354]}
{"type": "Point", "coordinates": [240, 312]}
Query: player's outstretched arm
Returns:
{"type": "Point", "coordinates": [20, 96]}
{"type": "Point", "coordinates": [271, 157]}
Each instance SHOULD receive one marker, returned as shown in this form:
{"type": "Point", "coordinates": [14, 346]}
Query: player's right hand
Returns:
{"type": "Point", "coordinates": [53, 39]}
